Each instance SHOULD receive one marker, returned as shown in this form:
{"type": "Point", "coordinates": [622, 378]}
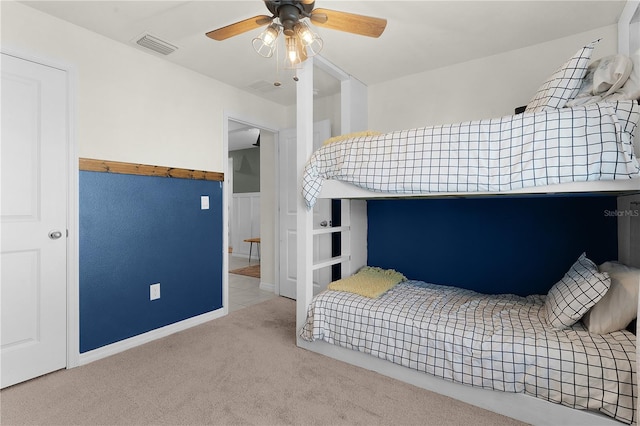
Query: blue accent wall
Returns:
{"type": "Point", "coordinates": [520, 245]}
{"type": "Point", "coordinates": [140, 230]}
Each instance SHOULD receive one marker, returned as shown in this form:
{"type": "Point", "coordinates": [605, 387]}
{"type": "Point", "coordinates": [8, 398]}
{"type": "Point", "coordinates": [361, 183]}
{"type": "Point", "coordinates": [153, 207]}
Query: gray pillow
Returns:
{"type": "Point", "coordinates": [620, 305]}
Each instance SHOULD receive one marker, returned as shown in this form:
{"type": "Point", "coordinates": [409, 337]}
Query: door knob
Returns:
{"type": "Point", "coordinates": [54, 235]}
{"type": "Point", "coordinates": [324, 223]}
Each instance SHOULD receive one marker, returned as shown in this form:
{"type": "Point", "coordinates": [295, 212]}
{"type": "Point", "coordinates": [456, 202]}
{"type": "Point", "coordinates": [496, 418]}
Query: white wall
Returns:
{"type": "Point", "coordinates": [483, 88]}
{"type": "Point", "coordinates": [246, 223]}
{"type": "Point", "coordinates": [133, 106]}
{"type": "Point", "coordinates": [324, 108]}
{"type": "Point", "coordinates": [328, 107]}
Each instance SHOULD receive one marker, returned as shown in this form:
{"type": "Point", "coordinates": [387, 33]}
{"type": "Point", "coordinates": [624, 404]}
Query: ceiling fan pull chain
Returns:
{"type": "Point", "coordinates": [277, 83]}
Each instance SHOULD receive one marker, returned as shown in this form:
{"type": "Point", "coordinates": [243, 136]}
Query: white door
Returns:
{"type": "Point", "coordinates": [288, 180]}
{"type": "Point", "coordinates": [33, 209]}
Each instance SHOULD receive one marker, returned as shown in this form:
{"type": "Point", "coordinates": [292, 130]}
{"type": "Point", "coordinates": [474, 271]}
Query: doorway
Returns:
{"type": "Point", "coordinates": [250, 213]}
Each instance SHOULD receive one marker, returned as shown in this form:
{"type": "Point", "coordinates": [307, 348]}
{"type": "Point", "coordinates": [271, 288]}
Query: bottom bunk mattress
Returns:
{"type": "Point", "coordinates": [498, 342]}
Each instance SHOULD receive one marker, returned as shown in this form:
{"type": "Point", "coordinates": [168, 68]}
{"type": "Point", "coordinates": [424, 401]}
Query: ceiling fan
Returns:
{"type": "Point", "coordinates": [288, 17]}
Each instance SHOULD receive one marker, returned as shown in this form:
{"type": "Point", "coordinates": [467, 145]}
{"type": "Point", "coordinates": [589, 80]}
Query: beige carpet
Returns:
{"type": "Point", "coordinates": [250, 271]}
{"type": "Point", "coordinates": [243, 369]}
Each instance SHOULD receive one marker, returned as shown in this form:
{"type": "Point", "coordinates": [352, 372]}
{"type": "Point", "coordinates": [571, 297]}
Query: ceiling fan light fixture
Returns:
{"type": "Point", "coordinates": [265, 43]}
{"type": "Point", "coordinates": [288, 17]}
{"type": "Point", "coordinates": [293, 57]}
{"type": "Point", "coordinates": [310, 40]}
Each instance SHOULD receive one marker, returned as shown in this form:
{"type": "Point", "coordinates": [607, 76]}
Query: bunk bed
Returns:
{"type": "Point", "coordinates": [499, 342]}
{"type": "Point", "coordinates": [503, 352]}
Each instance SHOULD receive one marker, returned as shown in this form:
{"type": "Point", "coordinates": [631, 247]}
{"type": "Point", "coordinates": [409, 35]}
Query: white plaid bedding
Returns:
{"type": "Point", "coordinates": [499, 342]}
{"type": "Point", "coordinates": [587, 143]}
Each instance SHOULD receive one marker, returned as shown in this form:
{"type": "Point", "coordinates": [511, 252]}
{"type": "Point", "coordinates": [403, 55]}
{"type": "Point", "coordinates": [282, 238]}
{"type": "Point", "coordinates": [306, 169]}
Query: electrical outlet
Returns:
{"type": "Point", "coordinates": [154, 291]}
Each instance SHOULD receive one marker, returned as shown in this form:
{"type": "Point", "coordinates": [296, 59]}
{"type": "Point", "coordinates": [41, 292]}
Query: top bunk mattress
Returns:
{"type": "Point", "coordinates": [580, 144]}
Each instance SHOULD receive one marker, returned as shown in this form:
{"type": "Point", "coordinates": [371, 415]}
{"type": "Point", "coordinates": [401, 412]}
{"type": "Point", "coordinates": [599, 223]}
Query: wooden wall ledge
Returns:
{"type": "Point", "coordinates": [92, 165]}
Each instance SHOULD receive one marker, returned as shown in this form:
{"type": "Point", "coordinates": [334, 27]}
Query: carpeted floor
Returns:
{"type": "Point", "coordinates": [243, 369]}
{"type": "Point", "coordinates": [250, 271]}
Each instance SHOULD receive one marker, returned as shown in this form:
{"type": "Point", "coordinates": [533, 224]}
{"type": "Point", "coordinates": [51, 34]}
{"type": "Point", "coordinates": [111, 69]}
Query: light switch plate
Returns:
{"type": "Point", "coordinates": [204, 202]}
{"type": "Point", "coordinates": [154, 291]}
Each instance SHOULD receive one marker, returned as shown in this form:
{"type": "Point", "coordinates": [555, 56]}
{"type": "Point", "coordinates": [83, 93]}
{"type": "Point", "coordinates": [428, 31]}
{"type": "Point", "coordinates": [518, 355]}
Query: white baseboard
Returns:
{"type": "Point", "coordinates": [267, 287]}
{"type": "Point", "coordinates": [241, 255]}
{"type": "Point", "coordinates": [132, 342]}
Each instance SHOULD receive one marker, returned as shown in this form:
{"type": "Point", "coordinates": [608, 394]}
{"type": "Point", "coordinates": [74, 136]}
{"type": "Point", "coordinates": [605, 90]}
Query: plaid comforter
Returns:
{"type": "Point", "coordinates": [592, 142]}
{"type": "Point", "coordinates": [499, 342]}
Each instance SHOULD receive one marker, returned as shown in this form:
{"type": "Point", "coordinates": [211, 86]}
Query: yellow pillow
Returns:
{"type": "Point", "coordinates": [369, 281]}
{"type": "Point", "coordinates": [349, 136]}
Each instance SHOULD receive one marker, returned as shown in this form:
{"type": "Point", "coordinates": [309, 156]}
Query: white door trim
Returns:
{"type": "Point", "coordinates": [73, 306]}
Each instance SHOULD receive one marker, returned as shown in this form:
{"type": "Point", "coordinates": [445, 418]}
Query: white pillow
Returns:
{"type": "Point", "coordinates": [619, 306]}
{"type": "Point", "coordinates": [603, 78]}
{"type": "Point", "coordinates": [580, 288]}
{"type": "Point", "coordinates": [631, 88]}
{"type": "Point", "coordinates": [564, 84]}
{"type": "Point", "coordinates": [610, 74]}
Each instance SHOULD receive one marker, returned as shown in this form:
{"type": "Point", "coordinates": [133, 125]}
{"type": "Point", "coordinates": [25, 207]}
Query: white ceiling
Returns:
{"type": "Point", "coordinates": [420, 35]}
{"type": "Point", "coordinates": [242, 136]}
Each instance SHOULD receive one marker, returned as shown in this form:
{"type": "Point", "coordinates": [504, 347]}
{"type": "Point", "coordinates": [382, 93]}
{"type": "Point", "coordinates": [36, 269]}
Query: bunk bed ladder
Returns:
{"type": "Point", "coordinates": [353, 241]}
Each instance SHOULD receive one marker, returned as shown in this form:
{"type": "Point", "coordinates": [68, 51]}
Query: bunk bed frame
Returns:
{"type": "Point", "coordinates": [353, 231]}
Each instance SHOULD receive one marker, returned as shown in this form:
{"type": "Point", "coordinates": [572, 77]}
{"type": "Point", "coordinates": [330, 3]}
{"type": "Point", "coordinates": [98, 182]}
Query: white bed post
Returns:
{"type": "Point", "coordinates": [304, 222]}
{"type": "Point", "coordinates": [354, 118]}
{"type": "Point", "coordinates": [628, 43]}
{"type": "Point", "coordinates": [629, 246]}
{"type": "Point", "coordinates": [354, 241]}
{"type": "Point", "coordinates": [628, 25]}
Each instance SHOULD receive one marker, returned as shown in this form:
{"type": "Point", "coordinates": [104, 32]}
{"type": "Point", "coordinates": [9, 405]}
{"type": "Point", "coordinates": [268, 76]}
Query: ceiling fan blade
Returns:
{"type": "Point", "coordinates": [239, 27]}
{"type": "Point", "coordinates": [349, 22]}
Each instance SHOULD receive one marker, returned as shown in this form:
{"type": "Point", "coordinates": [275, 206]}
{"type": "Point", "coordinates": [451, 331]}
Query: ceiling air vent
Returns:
{"type": "Point", "coordinates": [155, 44]}
{"type": "Point", "coordinates": [263, 86]}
